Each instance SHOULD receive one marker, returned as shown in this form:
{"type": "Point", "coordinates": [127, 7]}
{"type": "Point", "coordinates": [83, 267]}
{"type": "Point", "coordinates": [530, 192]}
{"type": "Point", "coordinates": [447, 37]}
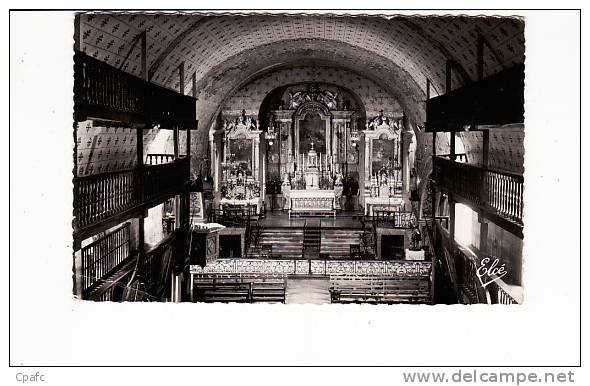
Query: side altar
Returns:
{"type": "Point", "coordinates": [240, 169]}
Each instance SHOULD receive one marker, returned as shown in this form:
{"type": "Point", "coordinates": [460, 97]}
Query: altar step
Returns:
{"type": "Point", "coordinates": [336, 242]}
{"type": "Point", "coordinates": [311, 241]}
{"type": "Point", "coordinates": [288, 243]}
{"type": "Point", "coordinates": [284, 243]}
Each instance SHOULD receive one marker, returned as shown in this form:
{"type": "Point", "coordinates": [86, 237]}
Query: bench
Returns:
{"type": "Point", "coordinates": [368, 289]}
{"type": "Point", "coordinates": [239, 288]}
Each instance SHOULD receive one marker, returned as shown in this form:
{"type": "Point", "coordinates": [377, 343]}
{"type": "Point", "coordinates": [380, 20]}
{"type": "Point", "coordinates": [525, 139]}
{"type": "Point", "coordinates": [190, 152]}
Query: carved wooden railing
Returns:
{"type": "Point", "coordinates": [155, 266]}
{"type": "Point", "coordinates": [103, 91]}
{"type": "Point", "coordinates": [462, 270]}
{"type": "Point", "coordinates": [157, 159]}
{"type": "Point", "coordinates": [505, 194]}
{"type": "Point", "coordinates": [499, 192]}
{"type": "Point", "coordinates": [101, 256]}
{"type": "Point", "coordinates": [467, 280]}
{"type": "Point", "coordinates": [463, 179]}
{"type": "Point", "coordinates": [101, 196]}
{"type": "Point", "coordinates": [505, 298]}
{"type": "Point", "coordinates": [389, 219]}
{"type": "Point", "coordinates": [461, 157]}
{"type": "Point", "coordinates": [161, 181]}
{"type": "Point", "coordinates": [502, 293]}
{"type": "Point", "coordinates": [439, 240]}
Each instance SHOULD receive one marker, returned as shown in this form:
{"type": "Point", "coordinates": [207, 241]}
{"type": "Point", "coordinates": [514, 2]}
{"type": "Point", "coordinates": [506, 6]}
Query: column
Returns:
{"type": "Point", "coordinates": [368, 171]}
{"type": "Point", "coordinates": [256, 149]}
{"type": "Point", "coordinates": [433, 185]}
{"type": "Point", "coordinates": [406, 140]}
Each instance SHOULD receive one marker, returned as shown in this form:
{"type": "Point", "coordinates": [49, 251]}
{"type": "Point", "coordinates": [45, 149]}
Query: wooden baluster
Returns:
{"type": "Point", "coordinates": [512, 198]}
{"type": "Point", "coordinates": [504, 195]}
{"type": "Point", "coordinates": [110, 191]}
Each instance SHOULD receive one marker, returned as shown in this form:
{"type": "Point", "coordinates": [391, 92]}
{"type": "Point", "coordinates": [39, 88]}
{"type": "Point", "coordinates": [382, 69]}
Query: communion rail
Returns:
{"type": "Point", "coordinates": [317, 267]}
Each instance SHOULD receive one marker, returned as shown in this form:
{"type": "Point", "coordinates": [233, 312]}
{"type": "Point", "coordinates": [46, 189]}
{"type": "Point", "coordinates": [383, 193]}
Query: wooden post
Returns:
{"type": "Point", "coordinates": [433, 189]}
{"type": "Point", "coordinates": [485, 161]}
{"type": "Point", "coordinates": [483, 236]}
{"type": "Point", "coordinates": [451, 218]}
{"type": "Point", "coordinates": [427, 89]}
{"type": "Point", "coordinates": [453, 155]}
{"type": "Point", "coordinates": [140, 189]}
{"type": "Point", "coordinates": [485, 149]}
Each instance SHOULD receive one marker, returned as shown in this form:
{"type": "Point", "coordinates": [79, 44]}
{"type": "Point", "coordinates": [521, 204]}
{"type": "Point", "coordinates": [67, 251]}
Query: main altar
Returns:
{"type": "Point", "coordinates": [316, 192]}
{"type": "Point", "coordinates": [311, 151]}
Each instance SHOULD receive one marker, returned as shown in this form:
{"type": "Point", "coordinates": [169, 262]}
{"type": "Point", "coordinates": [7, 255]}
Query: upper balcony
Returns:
{"type": "Point", "coordinates": [105, 92]}
{"type": "Point", "coordinates": [104, 199]}
{"type": "Point", "coordinates": [496, 193]}
{"type": "Point", "coordinates": [495, 100]}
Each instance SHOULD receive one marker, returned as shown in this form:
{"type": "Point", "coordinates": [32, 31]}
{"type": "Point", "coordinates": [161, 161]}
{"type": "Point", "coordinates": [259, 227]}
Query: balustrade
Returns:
{"type": "Point", "coordinates": [463, 179]}
{"type": "Point", "coordinates": [500, 192]}
{"type": "Point", "coordinates": [155, 264]}
{"type": "Point", "coordinates": [505, 194]}
{"type": "Point", "coordinates": [158, 159]}
{"type": "Point", "coordinates": [101, 88]}
{"type": "Point", "coordinates": [101, 196]}
{"type": "Point", "coordinates": [393, 219]}
{"type": "Point", "coordinates": [103, 91]}
{"type": "Point", "coordinates": [101, 256]}
{"type": "Point", "coordinates": [318, 267]}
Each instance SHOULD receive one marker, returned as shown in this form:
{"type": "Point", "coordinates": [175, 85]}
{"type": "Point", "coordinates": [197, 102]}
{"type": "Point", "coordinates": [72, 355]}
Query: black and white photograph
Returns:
{"type": "Point", "coordinates": [394, 191]}
{"type": "Point", "coordinates": [340, 159]}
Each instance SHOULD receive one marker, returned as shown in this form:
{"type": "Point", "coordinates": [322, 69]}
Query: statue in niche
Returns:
{"type": "Point", "coordinates": [286, 191]}
{"type": "Point", "coordinates": [244, 118]}
{"type": "Point", "coordinates": [338, 189]}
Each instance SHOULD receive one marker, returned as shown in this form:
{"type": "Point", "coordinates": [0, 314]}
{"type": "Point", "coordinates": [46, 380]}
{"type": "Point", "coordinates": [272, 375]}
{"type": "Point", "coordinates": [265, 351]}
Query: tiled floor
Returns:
{"type": "Point", "coordinates": [308, 291]}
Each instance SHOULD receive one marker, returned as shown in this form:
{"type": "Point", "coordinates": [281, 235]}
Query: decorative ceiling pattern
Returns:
{"type": "Point", "coordinates": [215, 89]}
{"type": "Point", "coordinates": [506, 151]}
{"type": "Point", "coordinates": [102, 149]}
{"type": "Point", "coordinates": [228, 51]}
{"type": "Point", "coordinates": [111, 37]}
{"type": "Point", "coordinates": [419, 45]}
{"type": "Point", "coordinates": [373, 96]}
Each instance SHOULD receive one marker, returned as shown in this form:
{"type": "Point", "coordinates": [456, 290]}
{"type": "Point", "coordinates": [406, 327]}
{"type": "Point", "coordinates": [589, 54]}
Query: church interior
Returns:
{"type": "Point", "coordinates": [298, 158]}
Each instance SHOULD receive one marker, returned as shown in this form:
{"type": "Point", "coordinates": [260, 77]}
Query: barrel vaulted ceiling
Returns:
{"type": "Point", "coordinates": [224, 52]}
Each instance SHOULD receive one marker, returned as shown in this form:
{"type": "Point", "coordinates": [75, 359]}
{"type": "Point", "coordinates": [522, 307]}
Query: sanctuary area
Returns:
{"type": "Point", "coordinates": [298, 158]}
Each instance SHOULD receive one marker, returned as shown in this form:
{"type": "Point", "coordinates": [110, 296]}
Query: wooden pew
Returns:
{"type": "Point", "coordinates": [239, 288]}
{"type": "Point", "coordinates": [372, 289]}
